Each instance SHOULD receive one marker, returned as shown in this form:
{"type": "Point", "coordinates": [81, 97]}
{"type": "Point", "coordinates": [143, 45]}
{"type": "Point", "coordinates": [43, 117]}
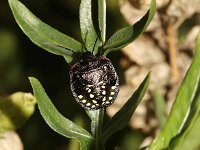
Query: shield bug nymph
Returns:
{"type": "Point", "coordinates": [94, 82]}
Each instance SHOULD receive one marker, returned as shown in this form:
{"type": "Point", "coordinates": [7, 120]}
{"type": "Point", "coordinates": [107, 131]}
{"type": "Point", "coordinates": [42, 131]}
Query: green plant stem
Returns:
{"type": "Point", "coordinates": [98, 128]}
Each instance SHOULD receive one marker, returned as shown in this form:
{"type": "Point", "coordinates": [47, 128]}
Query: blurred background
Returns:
{"type": "Point", "coordinates": [168, 49]}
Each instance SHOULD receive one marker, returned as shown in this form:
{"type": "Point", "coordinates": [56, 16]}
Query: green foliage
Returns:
{"type": "Point", "coordinates": [159, 105]}
{"type": "Point", "coordinates": [42, 34]}
{"type": "Point", "coordinates": [88, 31]}
{"type": "Point", "coordinates": [128, 34]}
{"type": "Point", "coordinates": [55, 120]}
{"type": "Point", "coordinates": [185, 110]}
{"type": "Point", "coordinates": [122, 117]}
{"type": "Point", "coordinates": [190, 129]}
{"type": "Point", "coordinates": [182, 123]}
{"type": "Point", "coordinates": [15, 110]}
{"type": "Point", "coordinates": [93, 31]}
{"type": "Point", "coordinates": [67, 128]}
{"type": "Point", "coordinates": [102, 19]}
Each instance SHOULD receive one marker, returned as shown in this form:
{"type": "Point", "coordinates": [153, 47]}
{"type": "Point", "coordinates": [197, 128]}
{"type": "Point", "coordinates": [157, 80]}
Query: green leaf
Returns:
{"type": "Point", "coordinates": [159, 105]}
{"type": "Point", "coordinates": [15, 110]}
{"type": "Point", "coordinates": [97, 117]}
{"type": "Point", "coordinates": [74, 144]}
{"type": "Point", "coordinates": [96, 126]}
{"type": "Point", "coordinates": [88, 31]}
{"type": "Point", "coordinates": [128, 34]}
{"type": "Point", "coordinates": [55, 120]}
{"type": "Point", "coordinates": [42, 34]}
{"type": "Point", "coordinates": [189, 135]}
{"type": "Point", "coordinates": [102, 19]}
{"type": "Point", "coordinates": [182, 105]}
{"type": "Point", "coordinates": [122, 117]}
{"type": "Point", "coordinates": [93, 114]}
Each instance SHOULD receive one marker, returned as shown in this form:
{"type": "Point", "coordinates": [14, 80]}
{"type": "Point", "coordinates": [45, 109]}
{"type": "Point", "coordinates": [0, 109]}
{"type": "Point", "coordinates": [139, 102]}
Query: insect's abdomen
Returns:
{"type": "Point", "coordinates": [97, 87]}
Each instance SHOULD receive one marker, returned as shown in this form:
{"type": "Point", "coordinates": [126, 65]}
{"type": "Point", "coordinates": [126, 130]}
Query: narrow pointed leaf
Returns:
{"type": "Point", "coordinates": [191, 141]}
{"type": "Point", "coordinates": [182, 105]}
{"type": "Point", "coordinates": [102, 19]}
{"type": "Point", "coordinates": [54, 119]}
{"type": "Point", "coordinates": [128, 34]}
{"type": "Point", "coordinates": [122, 117]}
{"type": "Point", "coordinates": [88, 30]}
{"type": "Point", "coordinates": [42, 34]}
{"type": "Point", "coordinates": [159, 105]}
{"type": "Point", "coordinates": [93, 116]}
{"type": "Point", "coordinates": [189, 136]}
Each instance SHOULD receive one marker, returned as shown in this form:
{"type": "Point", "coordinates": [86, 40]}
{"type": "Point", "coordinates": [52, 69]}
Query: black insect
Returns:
{"type": "Point", "coordinates": [94, 81]}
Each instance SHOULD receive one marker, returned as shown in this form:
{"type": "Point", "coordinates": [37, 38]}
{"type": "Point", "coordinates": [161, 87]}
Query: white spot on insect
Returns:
{"type": "Point", "coordinates": [93, 106]}
{"type": "Point", "coordinates": [112, 87]}
{"type": "Point", "coordinates": [91, 95]}
{"type": "Point", "coordinates": [80, 96]}
{"type": "Point", "coordinates": [88, 104]}
{"type": "Point", "coordinates": [89, 90]}
{"type": "Point", "coordinates": [104, 99]}
{"type": "Point", "coordinates": [84, 101]}
{"type": "Point", "coordinates": [104, 92]}
{"type": "Point", "coordinates": [112, 93]}
{"type": "Point", "coordinates": [90, 85]}
{"type": "Point", "coordinates": [103, 87]}
{"type": "Point", "coordinates": [107, 102]}
{"type": "Point", "coordinates": [103, 103]}
{"type": "Point", "coordinates": [110, 98]}
{"type": "Point", "coordinates": [94, 101]}
{"type": "Point", "coordinates": [101, 82]}
{"type": "Point", "coordinates": [97, 104]}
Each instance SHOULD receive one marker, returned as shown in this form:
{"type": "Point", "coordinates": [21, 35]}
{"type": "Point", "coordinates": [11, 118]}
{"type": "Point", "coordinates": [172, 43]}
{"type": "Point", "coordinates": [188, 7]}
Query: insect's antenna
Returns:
{"type": "Point", "coordinates": [94, 45]}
